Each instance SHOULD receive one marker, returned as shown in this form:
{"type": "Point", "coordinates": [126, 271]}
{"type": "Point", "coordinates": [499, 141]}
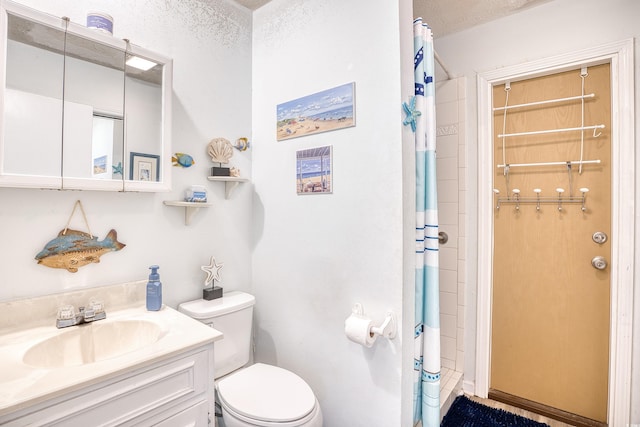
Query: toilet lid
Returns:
{"type": "Point", "coordinates": [267, 393]}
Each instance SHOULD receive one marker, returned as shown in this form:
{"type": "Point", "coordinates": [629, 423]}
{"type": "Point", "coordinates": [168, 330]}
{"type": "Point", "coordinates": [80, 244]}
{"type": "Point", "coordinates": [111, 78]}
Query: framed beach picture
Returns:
{"type": "Point", "coordinates": [314, 170]}
{"type": "Point", "coordinates": [99, 166]}
{"type": "Point", "coordinates": [144, 167]}
{"type": "Point", "coordinates": [324, 111]}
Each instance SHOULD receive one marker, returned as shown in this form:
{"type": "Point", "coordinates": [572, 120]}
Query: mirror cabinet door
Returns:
{"type": "Point", "coordinates": [93, 130]}
{"type": "Point", "coordinates": [31, 135]}
{"type": "Point", "coordinates": [143, 127]}
{"type": "Point", "coordinates": [76, 113]}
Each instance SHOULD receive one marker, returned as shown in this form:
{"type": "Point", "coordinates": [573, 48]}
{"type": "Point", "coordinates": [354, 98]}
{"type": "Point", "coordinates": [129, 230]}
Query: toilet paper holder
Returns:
{"type": "Point", "coordinates": [388, 327]}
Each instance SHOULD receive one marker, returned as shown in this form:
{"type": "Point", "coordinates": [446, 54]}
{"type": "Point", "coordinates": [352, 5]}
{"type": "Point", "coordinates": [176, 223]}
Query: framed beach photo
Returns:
{"type": "Point", "coordinates": [144, 167]}
{"type": "Point", "coordinates": [99, 166]}
{"type": "Point", "coordinates": [314, 171]}
{"type": "Point", "coordinates": [324, 111]}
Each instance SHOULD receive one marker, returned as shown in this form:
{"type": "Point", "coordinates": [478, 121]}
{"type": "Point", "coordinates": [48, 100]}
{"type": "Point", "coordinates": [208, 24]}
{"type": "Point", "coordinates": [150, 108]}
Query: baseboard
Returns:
{"type": "Point", "coordinates": [547, 411]}
{"type": "Point", "coordinates": [469, 387]}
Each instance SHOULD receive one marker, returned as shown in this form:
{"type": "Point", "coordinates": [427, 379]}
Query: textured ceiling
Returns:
{"type": "Point", "coordinates": [252, 4]}
{"type": "Point", "coordinates": [450, 16]}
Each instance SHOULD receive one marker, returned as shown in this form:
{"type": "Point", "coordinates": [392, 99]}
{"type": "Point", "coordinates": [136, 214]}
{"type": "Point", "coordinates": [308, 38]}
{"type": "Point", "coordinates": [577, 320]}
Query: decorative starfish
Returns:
{"type": "Point", "coordinates": [412, 114]}
{"type": "Point", "coordinates": [117, 169]}
{"type": "Point", "coordinates": [213, 272]}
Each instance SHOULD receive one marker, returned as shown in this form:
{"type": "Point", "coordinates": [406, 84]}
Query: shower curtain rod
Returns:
{"type": "Point", "coordinates": [444, 68]}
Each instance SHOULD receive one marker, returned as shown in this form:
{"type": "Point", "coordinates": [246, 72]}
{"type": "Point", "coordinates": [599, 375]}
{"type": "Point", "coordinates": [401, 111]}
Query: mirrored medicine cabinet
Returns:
{"type": "Point", "coordinates": [75, 112]}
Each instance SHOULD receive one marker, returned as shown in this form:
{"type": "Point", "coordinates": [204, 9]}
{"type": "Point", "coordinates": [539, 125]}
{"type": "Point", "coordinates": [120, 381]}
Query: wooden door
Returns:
{"type": "Point", "coordinates": [550, 306]}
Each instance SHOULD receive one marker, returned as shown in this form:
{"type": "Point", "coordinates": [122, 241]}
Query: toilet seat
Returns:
{"type": "Point", "coordinates": [267, 395]}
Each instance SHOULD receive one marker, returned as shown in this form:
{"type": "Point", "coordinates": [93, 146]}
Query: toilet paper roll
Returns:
{"type": "Point", "coordinates": [358, 329]}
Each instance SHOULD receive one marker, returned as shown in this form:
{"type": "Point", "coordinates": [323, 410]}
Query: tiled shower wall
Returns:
{"type": "Point", "coordinates": [451, 172]}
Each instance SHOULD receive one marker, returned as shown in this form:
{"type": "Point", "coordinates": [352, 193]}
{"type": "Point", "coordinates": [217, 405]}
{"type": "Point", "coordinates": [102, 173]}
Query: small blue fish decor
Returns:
{"type": "Point", "coordinates": [242, 144]}
{"type": "Point", "coordinates": [73, 249]}
{"type": "Point", "coordinates": [182, 159]}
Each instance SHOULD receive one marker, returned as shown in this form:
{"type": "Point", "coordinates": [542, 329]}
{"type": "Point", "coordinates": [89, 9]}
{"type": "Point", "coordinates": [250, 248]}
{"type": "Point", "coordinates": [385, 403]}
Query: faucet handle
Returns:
{"type": "Point", "coordinates": [66, 316]}
{"type": "Point", "coordinates": [96, 305]}
{"type": "Point", "coordinates": [66, 312]}
{"type": "Point", "coordinates": [97, 308]}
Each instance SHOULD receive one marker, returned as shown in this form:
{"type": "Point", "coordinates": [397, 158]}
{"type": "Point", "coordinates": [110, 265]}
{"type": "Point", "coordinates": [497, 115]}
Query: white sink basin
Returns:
{"type": "Point", "coordinates": [39, 362]}
{"type": "Point", "coordinates": [92, 342]}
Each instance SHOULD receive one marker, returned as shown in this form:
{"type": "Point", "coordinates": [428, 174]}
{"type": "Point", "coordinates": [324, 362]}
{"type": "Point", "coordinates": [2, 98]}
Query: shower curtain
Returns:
{"type": "Point", "coordinates": [427, 310]}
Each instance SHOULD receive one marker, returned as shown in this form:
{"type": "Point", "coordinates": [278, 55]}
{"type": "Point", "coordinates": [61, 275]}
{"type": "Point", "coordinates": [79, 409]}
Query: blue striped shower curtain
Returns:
{"type": "Point", "coordinates": [427, 320]}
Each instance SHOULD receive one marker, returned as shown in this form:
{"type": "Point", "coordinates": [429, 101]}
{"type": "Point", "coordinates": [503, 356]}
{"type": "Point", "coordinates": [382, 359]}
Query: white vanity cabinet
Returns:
{"type": "Point", "coordinates": [177, 391]}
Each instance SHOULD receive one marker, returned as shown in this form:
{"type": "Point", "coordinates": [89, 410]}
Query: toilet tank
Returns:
{"type": "Point", "coordinates": [232, 315]}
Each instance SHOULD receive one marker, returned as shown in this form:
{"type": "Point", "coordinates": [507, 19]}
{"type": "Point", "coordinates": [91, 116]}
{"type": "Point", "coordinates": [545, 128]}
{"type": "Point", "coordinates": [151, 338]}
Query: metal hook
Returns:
{"type": "Point", "coordinates": [594, 133]}
{"type": "Point", "coordinates": [516, 196]}
{"type": "Point", "coordinates": [506, 178]}
{"type": "Point", "coordinates": [584, 191]}
{"type": "Point", "coordinates": [570, 179]}
{"type": "Point", "coordinates": [560, 191]}
{"type": "Point", "coordinates": [497, 192]}
{"type": "Point", "coordinates": [537, 191]}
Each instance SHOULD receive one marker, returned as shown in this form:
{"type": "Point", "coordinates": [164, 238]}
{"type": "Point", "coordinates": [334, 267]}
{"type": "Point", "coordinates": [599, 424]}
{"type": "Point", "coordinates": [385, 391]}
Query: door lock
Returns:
{"type": "Point", "coordinates": [599, 237]}
{"type": "Point", "coordinates": [599, 263]}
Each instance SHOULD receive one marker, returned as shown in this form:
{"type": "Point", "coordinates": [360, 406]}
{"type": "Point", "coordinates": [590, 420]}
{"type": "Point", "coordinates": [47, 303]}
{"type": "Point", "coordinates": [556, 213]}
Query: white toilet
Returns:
{"type": "Point", "coordinates": [260, 394]}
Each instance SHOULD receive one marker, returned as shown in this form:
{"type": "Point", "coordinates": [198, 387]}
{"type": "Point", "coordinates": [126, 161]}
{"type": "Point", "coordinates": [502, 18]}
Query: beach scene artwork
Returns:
{"type": "Point", "coordinates": [314, 170]}
{"type": "Point", "coordinates": [324, 111]}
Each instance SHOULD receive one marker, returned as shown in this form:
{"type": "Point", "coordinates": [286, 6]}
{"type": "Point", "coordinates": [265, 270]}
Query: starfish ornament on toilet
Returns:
{"type": "Point", "coordinates": [213, 274]}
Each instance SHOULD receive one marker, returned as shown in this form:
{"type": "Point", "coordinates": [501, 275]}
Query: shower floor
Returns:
{"type": "Point", "coordinates": [450, 388]}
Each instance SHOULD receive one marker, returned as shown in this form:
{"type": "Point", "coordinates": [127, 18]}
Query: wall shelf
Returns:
{"type": "Point", "coordinates": [190, 208]}
{"type": "Point", "coordinates": [230, 183]}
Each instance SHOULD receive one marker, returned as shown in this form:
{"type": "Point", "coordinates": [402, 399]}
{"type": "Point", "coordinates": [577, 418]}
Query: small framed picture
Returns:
{"type": "Point", "coordinates": [99, 165]}
{"type": "Point", "coordinates": [314, 170]}
{"type": "Point", "coordinates": [144, 167]}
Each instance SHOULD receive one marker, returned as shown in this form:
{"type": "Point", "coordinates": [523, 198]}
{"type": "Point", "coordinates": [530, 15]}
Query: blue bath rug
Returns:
{"type": "Point", "coordinates": [464, 412]}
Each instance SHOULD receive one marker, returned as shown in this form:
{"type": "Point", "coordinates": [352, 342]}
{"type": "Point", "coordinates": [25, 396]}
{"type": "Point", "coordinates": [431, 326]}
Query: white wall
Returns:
{"type": "Point", "coordinates": [552, 28]}
{"type": "Point", "coordinates": [210, 43]}
{"type": "Point", "coordinates": [317, 255]}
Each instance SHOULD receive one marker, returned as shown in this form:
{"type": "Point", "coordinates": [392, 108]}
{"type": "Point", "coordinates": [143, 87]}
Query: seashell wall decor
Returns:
{"type": "Point", "coordinates": [220, 150]}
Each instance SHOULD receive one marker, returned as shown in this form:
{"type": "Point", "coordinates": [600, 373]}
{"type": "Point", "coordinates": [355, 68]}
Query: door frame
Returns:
{"type": "Point", "coordinates": [621, 57]}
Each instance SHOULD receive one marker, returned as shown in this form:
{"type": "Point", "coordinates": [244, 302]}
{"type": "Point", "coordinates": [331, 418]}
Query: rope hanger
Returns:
{"type": "Point", "coordinates": [84, 216]}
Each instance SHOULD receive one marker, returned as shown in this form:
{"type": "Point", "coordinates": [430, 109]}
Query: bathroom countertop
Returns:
{"type": "Point", "coordinates": [22, 385]}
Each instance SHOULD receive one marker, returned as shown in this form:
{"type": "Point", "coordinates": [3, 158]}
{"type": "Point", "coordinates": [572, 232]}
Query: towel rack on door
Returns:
{"type": "Point", "coordinates": [517, 200]}
{"type": "Point", "coordinates": [547, 101]}
{"type": "Point", "coordinates": [540, 132]}
{"type": "Point", "coordinates": [581, 128]}
{"type": "Point", "coordinates": [573, 162]}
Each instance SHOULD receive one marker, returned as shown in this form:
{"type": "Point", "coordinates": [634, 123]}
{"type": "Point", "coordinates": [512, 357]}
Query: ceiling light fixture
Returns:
{"type": "Point", "coordinates": [140, 63]}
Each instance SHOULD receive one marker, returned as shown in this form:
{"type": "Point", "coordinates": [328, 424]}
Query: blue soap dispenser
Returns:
{"type": "Point", "coordinates": [154, 290]}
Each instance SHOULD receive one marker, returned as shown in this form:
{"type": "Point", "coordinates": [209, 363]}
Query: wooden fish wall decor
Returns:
{"type": "Point", "coordinates": [72, 249]}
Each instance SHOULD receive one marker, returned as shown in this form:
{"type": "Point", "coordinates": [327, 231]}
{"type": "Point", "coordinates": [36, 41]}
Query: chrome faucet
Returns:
{"type": "Point", "coordinates": [67, 315]}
